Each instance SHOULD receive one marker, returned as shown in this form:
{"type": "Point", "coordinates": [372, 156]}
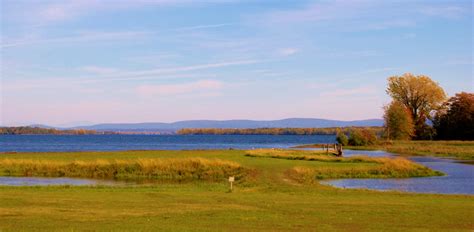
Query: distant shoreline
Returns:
{"type": "Point", "coordinates": [274, 131]}
{"type": "Point", "coordinates": [185, 131]}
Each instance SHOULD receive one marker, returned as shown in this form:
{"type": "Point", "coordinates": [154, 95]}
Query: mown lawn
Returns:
{"type": "Point", "coordinates": [269, 200]}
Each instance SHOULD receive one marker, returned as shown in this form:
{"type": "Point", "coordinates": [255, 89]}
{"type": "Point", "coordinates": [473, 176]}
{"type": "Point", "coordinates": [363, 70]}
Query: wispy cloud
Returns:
{"type": "Point", "coordinates": [107, 74]}
{"type": "Point", "coordinates": [449, 11]}
{"type": "Point", "coordinates": [269, 73]}
{"type": "Point", "coordinates": [348, 80]}
{"type": "Point", "coordinates": [384, 24]}
{"type": "Point", "coordinates": [206, 26]}
{"type": "Point", "coordinates": [154, 58]}
{"type": "Point", "coordinates": [67, 10]}
{"type": "Point", "coordinates": [174, 89]}
{"type": "Point", "coordinates": [353, 54]}
{"type": "Point", "coordinates": [460, 61]}
{"type": "Point", "coordinates": [77, 38]}
{"type": "Point", "coordinates": [409, 36]}
{"type": "Point", "coordinates": [362, 14]}
{"type": "Point", "coordinates": [342, 15]}
{"type": "Point", "coordinates": [204, 66]}
{"type": "Point", "coordinates": [59, 11]}
{"type": "Point", "coordinates": [157, 73]}
{"type": "Point", "coordinates": [287, 51]}
{"type": "Point", "coordinates": [88, 36]}
{"type": "Point", "coordinates": [99, 70]}
{"type": "Point", "coordinates": [167, 71]}
{"type": "Point", "coordinates": [314, 12]}
{"type": "Point", "coordinates": [367, 90]}
{"type": "Point", "coordinates": [377, 70]}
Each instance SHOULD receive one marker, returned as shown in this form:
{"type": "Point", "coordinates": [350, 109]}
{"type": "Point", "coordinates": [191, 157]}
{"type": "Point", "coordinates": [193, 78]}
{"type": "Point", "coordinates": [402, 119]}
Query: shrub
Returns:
{"type": "Point", "coordinates": [341, 138]}
{"type": "Point", "coordinates": [362, 137]}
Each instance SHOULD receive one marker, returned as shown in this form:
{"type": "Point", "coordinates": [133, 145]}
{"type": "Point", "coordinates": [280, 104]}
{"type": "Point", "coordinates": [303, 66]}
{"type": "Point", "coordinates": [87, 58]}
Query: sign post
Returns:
{"type": "Point", "coordinates": [231, 180]}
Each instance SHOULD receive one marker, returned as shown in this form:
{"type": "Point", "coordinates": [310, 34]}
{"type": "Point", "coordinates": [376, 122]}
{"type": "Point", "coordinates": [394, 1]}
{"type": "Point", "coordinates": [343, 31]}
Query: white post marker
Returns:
{"type": "Point", "coordinates": [231, 180]}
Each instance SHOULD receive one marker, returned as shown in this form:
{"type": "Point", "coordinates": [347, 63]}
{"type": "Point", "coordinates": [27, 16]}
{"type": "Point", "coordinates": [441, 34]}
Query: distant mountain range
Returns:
{"type": "Point", "coordinates": [238, 124]}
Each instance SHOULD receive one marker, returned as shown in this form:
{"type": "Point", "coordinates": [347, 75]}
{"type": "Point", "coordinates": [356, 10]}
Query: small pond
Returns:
{"type": "Point", "coordinates": [459, 178]}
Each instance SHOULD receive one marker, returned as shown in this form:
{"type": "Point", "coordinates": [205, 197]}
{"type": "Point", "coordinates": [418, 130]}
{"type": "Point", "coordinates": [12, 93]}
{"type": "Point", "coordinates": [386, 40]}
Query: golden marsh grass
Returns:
{"type": "Point", "coordinates": [173, 168]}
{"type": "Point", "coordinates": [305, 155]}
{"type": "Point", "coordinates": [383, 167]}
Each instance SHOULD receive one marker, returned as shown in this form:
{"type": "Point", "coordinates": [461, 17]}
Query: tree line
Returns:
{"type": "Point", "coordinates": [272, 131]}
{"type": "Point", "coordinates": [27, 130]}
{"type": "Point", "coordinates": [420, 109]}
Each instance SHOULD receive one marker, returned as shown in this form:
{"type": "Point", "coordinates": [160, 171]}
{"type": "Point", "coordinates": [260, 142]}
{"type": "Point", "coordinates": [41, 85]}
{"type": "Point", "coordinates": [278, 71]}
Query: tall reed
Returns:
{"type": "Point", "coordinates": [383, 167]}
{"type": "Point", "coordinates": [179, 169]}
{"type": "Point", "coordinates": [386, 168]}
{"type": "Point", "coordinates": [306, 155]}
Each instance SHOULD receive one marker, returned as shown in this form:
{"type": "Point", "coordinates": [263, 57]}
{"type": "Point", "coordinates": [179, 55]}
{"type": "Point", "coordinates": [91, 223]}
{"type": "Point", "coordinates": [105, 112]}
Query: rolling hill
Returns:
{"type": "Point", "coordinates": [283, 123]}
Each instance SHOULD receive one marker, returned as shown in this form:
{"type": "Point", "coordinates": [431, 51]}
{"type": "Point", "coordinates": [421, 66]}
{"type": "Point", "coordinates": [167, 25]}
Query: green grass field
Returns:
{"type": "Point", "coordinates": [268, 198]}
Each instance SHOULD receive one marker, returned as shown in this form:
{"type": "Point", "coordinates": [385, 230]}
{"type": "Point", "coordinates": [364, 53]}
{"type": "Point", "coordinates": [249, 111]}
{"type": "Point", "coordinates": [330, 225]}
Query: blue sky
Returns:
{"type": "Point", "coordinates": [80, 62]}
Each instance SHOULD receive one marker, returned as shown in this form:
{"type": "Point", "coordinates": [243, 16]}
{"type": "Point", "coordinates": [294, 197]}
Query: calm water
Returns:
{"type": "Point", "coordinates": [45, 143]}
{"type": "Point", "coordinates": [459, 177]}
{"type": "Point", "coordinates": [33, 181]}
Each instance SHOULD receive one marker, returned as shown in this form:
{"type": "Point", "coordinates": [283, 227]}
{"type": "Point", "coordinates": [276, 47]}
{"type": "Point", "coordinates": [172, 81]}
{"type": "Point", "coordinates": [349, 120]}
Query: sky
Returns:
{"type": "Point", "coordinates": [67, 63]}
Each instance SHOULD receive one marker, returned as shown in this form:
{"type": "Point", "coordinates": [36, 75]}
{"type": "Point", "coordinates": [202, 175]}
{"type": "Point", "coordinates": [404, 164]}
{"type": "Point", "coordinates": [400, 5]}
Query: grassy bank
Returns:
{"type": "Point", "coordinates": [197, 168]}
{"type": "Point", "coordinates": [450, 149]}
{"type": "Point", "coordinates": [368, 167]}
{"type": "Point", "coordinates": [272, 200]}
{"type": "Point", "coordinates": [172, 169]}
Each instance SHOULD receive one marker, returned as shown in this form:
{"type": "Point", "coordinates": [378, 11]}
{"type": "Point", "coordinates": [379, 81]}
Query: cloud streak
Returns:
{"type": "Point", "coordinates": [366, 90]}
{"type": "Point", "coordinates": [356, 15]}
{"type": "Point", "coordinates": [449, 12]}
{"type": "Point", "coordinates": [67, 10]}
{"type": "Point", "coordinates": [176, 89]}
{"type": "Point", "coordinates": [99, 70]}
{"type": "Point", "coordinates": [60, 11]}
{"type": "Point", "coordinates": [287, 51]}
{"type": "Point", "coordinates": [106, 74]}
{"type": "Point", "coordinates": [88, 36]}
{"type": "Point", "coordinates": [79, 38]}
{"type": "Point", "coordinates": [206, 26]}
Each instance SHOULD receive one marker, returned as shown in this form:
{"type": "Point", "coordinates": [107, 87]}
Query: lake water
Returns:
{"type": "Point", "coordinates": [35, 181]}
{"type": "Point", "coordinates": [459, 178]}
{"type": "Point", "coordinates": [46, 143]}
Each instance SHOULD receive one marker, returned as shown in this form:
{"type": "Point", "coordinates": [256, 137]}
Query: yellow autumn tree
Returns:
{"type": "Point", "coordinates": [398, 122]}
{"type": "Point", "coordinates": [420, 95]}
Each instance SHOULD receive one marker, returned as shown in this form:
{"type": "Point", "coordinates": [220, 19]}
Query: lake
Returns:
{"type": "Point", "coordinates": [48, 143]}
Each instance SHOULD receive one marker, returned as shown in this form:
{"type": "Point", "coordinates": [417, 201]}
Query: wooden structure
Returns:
{"type": "Point", "coordinates": [336, 147]}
